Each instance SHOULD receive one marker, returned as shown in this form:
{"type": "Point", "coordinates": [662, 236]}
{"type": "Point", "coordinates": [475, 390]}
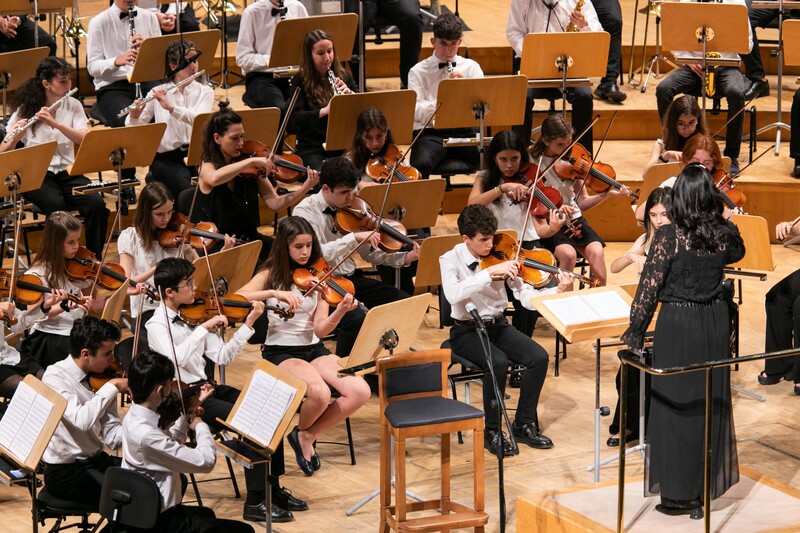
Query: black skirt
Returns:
{"type": "Point", "coordinates": [588, 236]}
{"type": "Point", "coordinates": [45, 348]}
{"type": "Point", "coordinates": [278, 354]}
{"type": "Point", "coordinates": [23, 368]}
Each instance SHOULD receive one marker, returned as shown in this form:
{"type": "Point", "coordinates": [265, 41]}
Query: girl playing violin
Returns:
{"type": "Point", "coordinates": [683, 120]}
{"type": "Point", "coordinates": [296, 346]}
{"type": "Point", "coordinates": [49, 339]}
{"type": "Point", "coordinates": [321, 77]}
{"type": "Point", "coordinates": [374, 138]}
{"type": "Point", "coordinates": [228, 199]}
{"type": "Point", "coordinates": [556, 136]}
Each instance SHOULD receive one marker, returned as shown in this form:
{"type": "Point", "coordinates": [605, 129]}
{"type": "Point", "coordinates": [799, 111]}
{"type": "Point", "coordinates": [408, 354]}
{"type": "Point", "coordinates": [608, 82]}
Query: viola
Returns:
{"type": "Point", "coordinates": [378, 167]}
{"type": "Point", "coordinates": [333, 289]}
{"type": "Point", "coordinates": [536, 267]}
{"type": "Point", "coordinates": [599, 177]}
{"type": "Point", "coordinates": [111, 275]}
{"type": "Point", "coordinates": [235, 307]}
{"type": "Point", "coordinates": [732, 196]}
{"type": "Point", "coordinates": [200, 234]}
{"type": "Point", "coordinates": [545, 199]}
{"type": "Point", "coordinates": [98, 379]}
{"type": "Point", "coordinates": [181, 395]}
{"type": "Point", "coordinates": [288, 167]}
{"type": "Point", "coordinates": [359, 216]}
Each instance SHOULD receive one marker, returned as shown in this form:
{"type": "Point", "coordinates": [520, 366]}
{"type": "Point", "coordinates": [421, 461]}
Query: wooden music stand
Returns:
{"type": "Point", "coordinates": [414, 203]}
{"type": "Point", "coordinates": [791, 34]}
{"type": "Point", "coordinates": [291, 33]}
{"type": "Point", "coordinates": [17, 67]}
{"type": "Point", "coordinates": [543, 54]}
{"type": "Point", "coordinates": [26, 6]}
{"type": "Point", "coordinates": [494, 101]}
{"type": "Point", "coordinates": [232, 267]}
{"type": "Point", "coordinates": [24, 169]}
{"type": "Point", "coordinates": [397, 107]}
{"type": "Point", "coordinates": [260, 124]}
{"type": "Point", "coordinates": [150, 62]}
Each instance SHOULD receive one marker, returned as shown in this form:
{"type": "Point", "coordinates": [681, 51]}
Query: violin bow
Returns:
{"type": "Point", "coordinates": [594, 155]}
{"type": "Point", "coordinates": [17, 230]}
{"type": "Point", "coordinates": [282, 129]}
{"type": "Point", "coordinates": [174, 354]}
{"type": "Point", "coordinates": [748, 165]}
{"type": "Point", "coordinates": [137, 333]}
{"type": "Point", "coordinates": [182, 251]}
{"type": "Point", "coordinates": [532, 193]}
{"type": "Point", "coordinates": [105, 253]}
{"type": "Point", "coordinates": [575, 141]}
{"type": "Point", "coordinates": [733, 117]}
{"type": "Point", "coordinates": [220, 328]}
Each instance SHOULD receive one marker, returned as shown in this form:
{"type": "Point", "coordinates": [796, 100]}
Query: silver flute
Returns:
{"type": "Point", "coordinates": [332, 81]}
{"type": "Point", "coordinates": [34, 119]}
{"type": "Point", "coordinates": [142, 103]}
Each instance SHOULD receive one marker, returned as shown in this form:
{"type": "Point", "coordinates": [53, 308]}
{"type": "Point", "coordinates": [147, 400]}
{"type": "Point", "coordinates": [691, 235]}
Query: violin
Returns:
{"type": "Point", "coordinates": [200, 234]}
{"type": "Point", "coordinates": [29, 289]}
{"type": "Point", "coordinates": [359, 216]}
{"type": "Point", "coordinates": [599, 176]}
{"type": "Point", "coordinates": [288, 167]}
{"type": "Point", "coordinates": [536, 267]}
{"type": "Point", "coordinates": [378, 167]}
{"type": "Point", "coordinates": [98, 379]}
{"type": "Point", "coordinates": [545, 199]}
{"type": "Point", "coordinates": [171, 408]}
{"type": "Point", "coordinates": [235, 307]}
{"type": "Point", "coordinates": [732, 196]}
{"type": "Point", "coordinates": [333, 289]}
{"type": "Point", "coordinates": [111, 275]}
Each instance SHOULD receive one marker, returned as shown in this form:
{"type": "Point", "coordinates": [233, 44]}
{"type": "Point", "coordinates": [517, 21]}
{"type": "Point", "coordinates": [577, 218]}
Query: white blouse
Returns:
{"type": "Point", "coordinates": [61, 324]}
{"type": "Point", "coordinates": [298, 330]}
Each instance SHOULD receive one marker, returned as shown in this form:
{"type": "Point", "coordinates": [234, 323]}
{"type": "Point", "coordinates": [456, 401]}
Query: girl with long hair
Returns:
{"type": "Point", "coordinates": [683, 120]}
{"type": "Point", "coordinates": [372, 138]}
{"type": "Point", "coordinates": [657, 208]}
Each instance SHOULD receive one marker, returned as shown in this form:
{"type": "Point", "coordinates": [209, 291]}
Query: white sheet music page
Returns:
{"type": "Point", "coordinates": [607, 304]}
{"type": "Point", "coordinates": [589, 307]}
{"type": "Point", "coordinates": [22, 424]}
{"type": "Point", "coordinates": [263, 407]}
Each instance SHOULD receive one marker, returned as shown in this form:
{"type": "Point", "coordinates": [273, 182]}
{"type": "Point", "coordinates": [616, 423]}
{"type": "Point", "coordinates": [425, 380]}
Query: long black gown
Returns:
{"type": "Point", "coordinates": [693, 326]}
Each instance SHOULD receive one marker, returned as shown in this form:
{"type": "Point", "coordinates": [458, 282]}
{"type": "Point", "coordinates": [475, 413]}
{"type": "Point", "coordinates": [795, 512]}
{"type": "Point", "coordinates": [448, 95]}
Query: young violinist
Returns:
{"type": "Point", "coordinates": [339, 179]}
{"type": "Point", "coordinates": [195, 347]}
{"type": "Point", "coordinates": [321, 77]}
{"type": "Point", "coordinates": [178, 109]}
{"type": "Point", "coordinates": [49, 339]}
{"type": "Point", "coordinates": [556, 136]}
{"type": "Point", "coordinates": [295, 345]}
{"type": "Point", "coordinates": [424, 79]}
{"type": "Point", "coordinates": [228, 198]}
{"type": "Point", "coordinates": [373, 143]}
{"type": "Point", "coordinates": [162, 454]}
{"type": "Point", "coordinates": [464, 280]}
{"type": "Point", "coordinates": [684, 119]}
{"type": "Point", "coordinates": [75, 459]}
{"type": "Point", "coordinates": [67, 125]}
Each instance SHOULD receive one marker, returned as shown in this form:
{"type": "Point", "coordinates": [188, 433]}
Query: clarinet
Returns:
{"type": "Point", "coordinates": [332, 81]}
{"type": "Point", "coordinates": [132, 33]}
{"type": "Point", "coordinates": [449, 69]}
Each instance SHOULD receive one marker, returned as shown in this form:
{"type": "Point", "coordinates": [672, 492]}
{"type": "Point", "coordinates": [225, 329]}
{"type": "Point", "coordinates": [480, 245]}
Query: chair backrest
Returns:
{"type": "Point", "coordinates": [755, 234]}
{"type": "Point", "coordinates": [129, 498]}
{"type": "Point", "coordinates": [412, 375]}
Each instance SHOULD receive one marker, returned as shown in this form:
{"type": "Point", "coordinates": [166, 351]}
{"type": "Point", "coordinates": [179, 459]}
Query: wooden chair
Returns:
{"type": "Point", "coordinates": [413, 403]}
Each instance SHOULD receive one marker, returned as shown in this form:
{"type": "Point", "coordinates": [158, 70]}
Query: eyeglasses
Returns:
{"type": "Point", "coordinates": [188, 284]}
{"type": "Point", "coordinates": [687, 125]}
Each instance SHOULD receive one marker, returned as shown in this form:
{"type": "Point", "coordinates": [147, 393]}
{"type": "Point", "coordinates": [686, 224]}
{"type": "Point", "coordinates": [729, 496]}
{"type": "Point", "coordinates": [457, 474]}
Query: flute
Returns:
{"type": "Point", "coordinates": [152, 97]}
{"type": "Point", "coordinates": [34, 119]}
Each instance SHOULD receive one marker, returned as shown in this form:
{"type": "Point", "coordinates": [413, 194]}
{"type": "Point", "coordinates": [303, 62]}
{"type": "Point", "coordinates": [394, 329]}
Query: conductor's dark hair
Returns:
{"type": "Point", "coordinates": [170, 272]}
{"type": "Point", "coordinates": [476, 218]}
{"type": "Point", "coordinates": [148, 370]}
{"type": "Point", "coordinates": [339, 171]}
{"type": "Point", "coordinates": [447, 27]}
{"type": "Point", "coordinates": [89, 333]}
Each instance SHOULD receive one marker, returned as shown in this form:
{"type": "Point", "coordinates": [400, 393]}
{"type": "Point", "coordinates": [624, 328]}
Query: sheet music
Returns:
{"type": "Point", "coordinates": [263, 407]}
{"type": "Point", "coordinates": [22, 424]}
{"type": "Point", "coordinates": [590, 307]}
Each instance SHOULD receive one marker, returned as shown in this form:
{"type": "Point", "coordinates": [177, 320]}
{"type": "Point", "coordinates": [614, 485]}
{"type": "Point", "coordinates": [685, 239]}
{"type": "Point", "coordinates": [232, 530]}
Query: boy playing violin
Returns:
{"type": "Point", "coordinates": [465, 281]}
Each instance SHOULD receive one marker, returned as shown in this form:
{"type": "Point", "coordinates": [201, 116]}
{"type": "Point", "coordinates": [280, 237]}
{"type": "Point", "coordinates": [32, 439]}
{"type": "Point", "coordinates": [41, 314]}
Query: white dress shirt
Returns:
{"type": "Point", "coordinates": [191, 344]}
{"type": "Point", "coordinates": [61, 324]}
{"type": "Point", "coordinates": [161, 455]}
{"type": "Point", "coordinates": [533, 16]}
{"type": "Point", "coordinates": [90, 420]}
{"type": "Point", "coordinates": [298, 330]}
{"type": "Point", "coordinates": [510, 215]}
{"type": "Point", "coordinates": [257, 30]}
{"type": "Point", "coordinates": [109, 37]}
{"type": "Point", "coordinates": [155, 5]}
{"type": "Point", "coordinates": [195, 98]}
{"type": "Point", "coordinates": [424, 79]}
{"type": "Point", "coordinates": [725, 55]}
{"type": "Point", "coordinates": [336, 246]}
{"type": "Point", "coordinates": [8, 354]}
{"type": "Point", "coordinates": [69, 113]}
{"type": "Point", "coordinates": [462, 285]}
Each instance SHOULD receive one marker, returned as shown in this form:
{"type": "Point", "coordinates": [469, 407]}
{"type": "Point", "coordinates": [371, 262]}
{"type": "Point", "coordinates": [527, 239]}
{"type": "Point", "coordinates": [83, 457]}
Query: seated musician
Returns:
{"type": "Point", "coordinates": [178, 109]}
{"type": "Point", "coordinates": [465, 281]}
{"type": "Point", "coordinates": [730, 82]}
{"type": "Point", "coordinates": [755, 75]}
{"type": "Point", "coordinates": [16, 34]}
{"type": "Point", "coordinates": [254, 46]}
{"type": "Point", "coordinates": [168, 14]}
{"type": "Point", "coordinates": [196, 347]}
{"type": "Point", "coordinates": [424, 79]}
{"type": "Point", "coordinates": [161, 454]}
{"type": "Point", "coordinates": [339, 179]}
{"type": "Point", "coordinates": [74, 459]}
{"type": "Point", "coordinates": [67, 125]}
{"type": "Point", "coordinates": [372, 138]}
{"type": "Point", "coordinates": [684, 119]}
{"type": "Point", "coordinates": [539, 17]}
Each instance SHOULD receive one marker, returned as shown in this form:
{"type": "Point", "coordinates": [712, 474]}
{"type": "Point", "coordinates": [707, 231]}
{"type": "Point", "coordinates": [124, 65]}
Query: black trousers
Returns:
{"type": "Point", "coordinates": [56, 195]}
{"type": "Point", "coordinates": [168, 168]}
{"type": "Point", "coordinates": [610, 16]}
{"type": "Point", "coordinates": [582, 102]}
{"type": "Point", "coordinates": [80, 481]}
{"type": "Point", "coordinates": [263, 90]}
{"type": "Point", "coordinates": [507, 344]}
{"type": "Point", "coordinates": [429, 152]}
{"type": "Point", "coordinates": [782, 305]}
{"type": "Point", "coordinates": [730, 82]}
{"type": "Point", "coordinates": [25, 38]}
{"type": "Point", "coordinates": [794, 140]}
{"type": "Point", "coordinates": [188, 20]}
{"type": "Point", "coordinates": [371, 293]}
{"type": "Point", "coordinates": [186, 519]}
{"type": "Point", "coordinates": [753, 65]}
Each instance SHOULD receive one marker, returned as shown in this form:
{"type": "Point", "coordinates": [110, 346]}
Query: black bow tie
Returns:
{"type": "Point", "coordinates": [278, 11]}
{"type": "Point", "coordinates": [178, 320]}
{"type": "Point", "coordinates": [451, 63]}
{"type": "Point", "coordinates": [124, 15]}
{"type": "Point", "coordinates": [472, 266]}
{"type": "Point", "coordinates": [329, 211]}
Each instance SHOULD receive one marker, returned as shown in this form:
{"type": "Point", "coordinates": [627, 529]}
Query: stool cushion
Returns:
{"type": "Point", "coordinates": [50, 503]}
{"type": "Point", "coordinates": [429, 410]}
{"type": "Point", "coordinates": [450, 167]}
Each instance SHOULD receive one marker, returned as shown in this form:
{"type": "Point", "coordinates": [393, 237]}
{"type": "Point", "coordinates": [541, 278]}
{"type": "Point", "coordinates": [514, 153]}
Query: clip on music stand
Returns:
{"type": "Point", "coordinates": [564, 60]}
{"type": "Point", "coordinates": [291, 33]}
{"type": "Point", "coordinates": [396, 106]}
{"type": "Point", "coordinates": [494, 101]}
{"type": "Point", "coordinates": [150, 61]}
{"type": "Point", "coordinates": [17, 67]}
{"type": "Point", "coordinates": [259, 124]}
{"type": "Point", "coordinates": [705, 28]}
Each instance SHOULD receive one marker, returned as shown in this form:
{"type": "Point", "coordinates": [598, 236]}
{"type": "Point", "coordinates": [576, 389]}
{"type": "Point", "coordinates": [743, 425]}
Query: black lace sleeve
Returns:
{"type": "Point", "coordinates": [735, 250]}
{"type": "Point", "coordinates": [654, 275]}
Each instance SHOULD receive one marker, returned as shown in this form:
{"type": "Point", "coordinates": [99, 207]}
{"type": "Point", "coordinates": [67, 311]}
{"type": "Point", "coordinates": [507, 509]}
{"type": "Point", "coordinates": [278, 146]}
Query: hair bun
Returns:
{"type": "Point", "coordinates": [224, 105]}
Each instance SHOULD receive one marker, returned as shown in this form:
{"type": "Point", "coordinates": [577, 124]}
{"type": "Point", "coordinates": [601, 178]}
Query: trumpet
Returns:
{"type": "Point", "coordinates": [142, 103]}
{"type": "Point", "coordinates": [34, 119]}
{"type": "Point", "coordinates": [710, 85]}
{"type": "Point", "coordinates": [332, 81]}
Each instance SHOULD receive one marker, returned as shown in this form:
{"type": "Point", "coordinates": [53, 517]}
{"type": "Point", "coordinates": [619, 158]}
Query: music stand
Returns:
{"type": "Point", "coordinates": [492, 101]}
{"type": "Point", "coordinates": [150, 61]}
{"type": "Point", "coordinates": [291, 33]}
{"type": "Point", "coordinates": [564, 60]}
{"type": "Point", "coordinates": [35, 6]}
{"type": "Point", "coordinates": [414, 203]}
{"type": "Point", "coordinates": [396, 106]}
{"type": "Point", "coordinates": [260, 124]}
{"type": "Point", "coordinates": [705, 28]}
{"type": "Point", "coordinates": [17, 67]}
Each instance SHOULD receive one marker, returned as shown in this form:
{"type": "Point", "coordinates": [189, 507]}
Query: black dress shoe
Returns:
{"type": "Point", "coordinates": [770, 379]}
{"type": "Point", "coordinates": [258, 513]}
{"type": "Point", "coordinates": [694, 513]}
{"type": "Point", "coordinates": [316, 464]}
{"type": "Point", "coordinates": [491, 441]}
{"type": "Point", "coordinates": [613, 442]}
{"type": "Point", "coordinates": [757, 89]}
{"type": "Point", "coordinates": [608, 90]}
{"type": "Point", "coordinates": [530, 435]}
{"type": "Point", "coordinates": [283, 498]}
{"type": "Point", "coordinates": [294, 442]}
{"type": "Point", "coordinates": [796, 171]}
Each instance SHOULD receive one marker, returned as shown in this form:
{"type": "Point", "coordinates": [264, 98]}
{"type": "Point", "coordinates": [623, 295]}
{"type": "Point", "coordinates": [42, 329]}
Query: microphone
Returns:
{"type": "Point", "coordinates": [473, 311]}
